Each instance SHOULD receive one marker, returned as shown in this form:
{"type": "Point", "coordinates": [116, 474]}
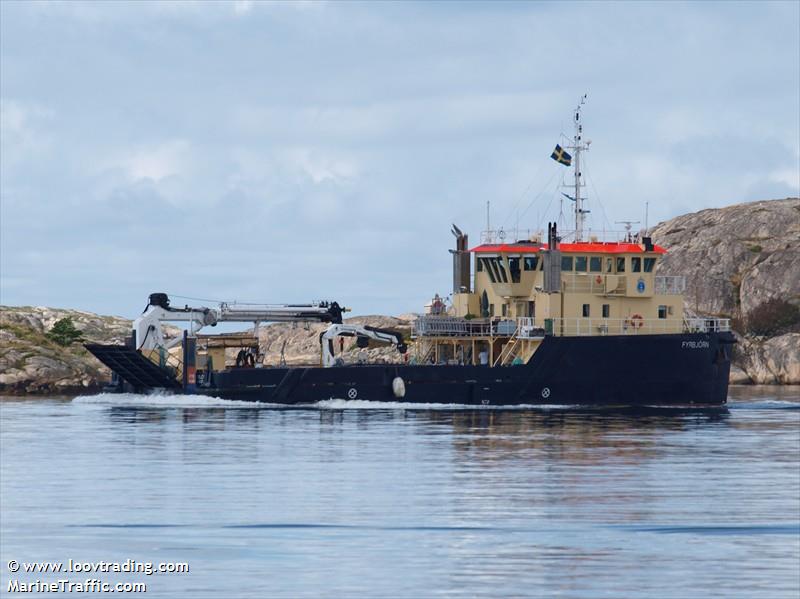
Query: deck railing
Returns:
{"type": "Point", "coordinates": [575, 327]}
{"type": "Point", "coordinates": [527, 328]}
{"type": "Point", "coordinates": [171, 360]}
{"type": "Point", "coordinates": [665, 285]}
{"type": "Point", "coordinates": [594, 282]}
{"type": "Point", "coordinates": [609, 284]}
{"type": "Point", "coordinates": [706, 325]}
{"type": "Point", "coordinates": [445, 326]}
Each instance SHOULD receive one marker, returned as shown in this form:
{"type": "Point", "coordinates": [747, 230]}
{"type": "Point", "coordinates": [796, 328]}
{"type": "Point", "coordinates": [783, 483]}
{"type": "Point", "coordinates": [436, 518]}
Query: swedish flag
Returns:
{"type": "Point", "coordinates": [560, 155]}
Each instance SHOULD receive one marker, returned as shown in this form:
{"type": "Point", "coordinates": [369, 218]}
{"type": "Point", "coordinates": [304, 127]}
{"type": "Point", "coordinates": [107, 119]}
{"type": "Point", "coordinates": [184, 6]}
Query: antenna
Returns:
{"type": "Point", "coordinates": [577, 147]}
{"type": "Point", "coordinates": [646, 211]}
{"type": "Point", "coordinates": [488, 224]}
{"type": "Point", "coordinates": [628, 226]}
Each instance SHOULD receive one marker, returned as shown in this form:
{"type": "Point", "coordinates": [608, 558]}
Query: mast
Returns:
{"type": "Point", "coordinates": [578, 147]}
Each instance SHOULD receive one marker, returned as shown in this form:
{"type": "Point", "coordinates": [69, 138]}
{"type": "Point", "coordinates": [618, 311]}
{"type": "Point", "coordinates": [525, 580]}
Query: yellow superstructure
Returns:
{"type": "Point", "coordinates": [525, 290]}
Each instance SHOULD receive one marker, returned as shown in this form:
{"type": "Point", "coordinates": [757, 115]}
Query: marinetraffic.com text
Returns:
{"type": "Point", "coordinates": [52, 577]}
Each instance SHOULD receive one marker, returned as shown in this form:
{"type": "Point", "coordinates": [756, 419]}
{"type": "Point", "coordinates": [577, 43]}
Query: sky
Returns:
{"type": "Point", "coordinates": [289, 152]}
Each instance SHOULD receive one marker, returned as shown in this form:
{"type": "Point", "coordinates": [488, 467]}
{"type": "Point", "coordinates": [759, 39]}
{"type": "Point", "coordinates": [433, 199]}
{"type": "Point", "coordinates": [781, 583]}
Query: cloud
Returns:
{"type": "Point", "coordinates": [166, 159]}
{"type": "Point", "coordinates": [283, 151]}
{"type": "Point", "coordinates": [24, 129]}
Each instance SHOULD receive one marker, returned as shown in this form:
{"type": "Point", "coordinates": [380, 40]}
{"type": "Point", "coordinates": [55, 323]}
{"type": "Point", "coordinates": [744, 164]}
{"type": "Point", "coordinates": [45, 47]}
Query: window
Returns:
{"type": "Point", "coordinates": [529, 262]}
{"type": "Point", "coordinates": [479, 265]}
{"type": "Point", "coordinates": [566, 262]}
{"type": "Point", "coordinates": [501, 269]}
{"type": "Point", "coordinates": [489, 270]}
{"type": "Point", "coordinates": [586, 310]}
{"type": "Point", "coordinates": [621, 264]}
{"type": "Point", "coordinates": [606, 310]}
{"type": "Point", "coordinates": [491, 309]}
{"type": "Point", "coordinates": [649, 263]}
{"type": "Point", "coordinates": [609, 265]}
{"type": "Point", "coordinates": [662, 311]}
{"type": "Point", "coordinates": [636, 264]}
{"type": "Point", "coordinates": [531, 309]}
{"type": "Point", "coordinates": [580, 263]}
{"type": "Point", "coordinates": [513, 267]}
{"type": "Point", "coordinates": [505, 310]}
{"type": "Point", "coordinates": [595, 264]}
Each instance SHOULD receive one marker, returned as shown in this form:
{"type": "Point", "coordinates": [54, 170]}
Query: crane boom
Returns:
{"type": "Point", "coordinates": [354, 330]}
{"type": "Point", "coordinates": [149, 334]}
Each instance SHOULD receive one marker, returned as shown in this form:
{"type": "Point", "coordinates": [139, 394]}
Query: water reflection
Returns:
{"type": "Point", "coordinates": [408, 502]}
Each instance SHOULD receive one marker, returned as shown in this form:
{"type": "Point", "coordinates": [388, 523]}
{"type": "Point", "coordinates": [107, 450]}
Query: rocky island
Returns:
{"type": "Point", "coordinates": [741, 262]}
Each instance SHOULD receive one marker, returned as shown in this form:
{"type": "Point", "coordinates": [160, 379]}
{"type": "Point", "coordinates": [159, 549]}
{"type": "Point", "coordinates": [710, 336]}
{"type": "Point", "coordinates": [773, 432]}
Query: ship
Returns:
{"type": "Point", "coordinates": [532, 320]}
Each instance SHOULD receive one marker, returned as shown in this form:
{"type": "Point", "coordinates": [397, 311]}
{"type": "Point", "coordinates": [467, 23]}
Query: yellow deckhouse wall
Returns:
{"type": "Point", "coordinates": [625, 293]}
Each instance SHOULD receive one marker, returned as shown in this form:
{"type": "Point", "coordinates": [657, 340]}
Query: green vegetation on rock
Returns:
{"type": "Point", "coordinates": [773, 317]}
{"type": "Point", "coordinates": [64, 332]}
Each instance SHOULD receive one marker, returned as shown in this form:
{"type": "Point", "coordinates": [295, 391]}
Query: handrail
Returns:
{"type": "Point", "coordinates": [589, 327]}
{"type": "Point", "coordinates": [507, 349]}
{"type": "Point", "coordinates": [594, 282]}
{"type": "Point", "coordinates": [448, 326]}
{"type": "Point", "coordinates": [670, 285]}
{"type": "Point", "coordinates": [161, 356]}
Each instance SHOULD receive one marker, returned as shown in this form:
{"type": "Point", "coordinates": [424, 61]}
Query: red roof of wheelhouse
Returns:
{"type": "Point", "coordinates": [569, 248]}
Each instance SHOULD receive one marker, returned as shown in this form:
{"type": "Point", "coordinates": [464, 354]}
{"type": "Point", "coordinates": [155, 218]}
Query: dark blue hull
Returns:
{"type": "Point", "coordinates": [681, 369]}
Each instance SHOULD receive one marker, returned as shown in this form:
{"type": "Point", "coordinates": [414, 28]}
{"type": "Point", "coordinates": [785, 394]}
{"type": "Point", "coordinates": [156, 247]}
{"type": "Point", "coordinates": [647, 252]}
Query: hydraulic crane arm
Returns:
{"type": "Point", "coordinates": [362, 332]}
{"type": "Point", "coordinates": [149, 334]}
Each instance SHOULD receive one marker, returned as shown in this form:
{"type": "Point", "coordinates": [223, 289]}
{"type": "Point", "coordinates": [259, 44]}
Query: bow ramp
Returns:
{"type": "Point", "coordinates": [133, 367]}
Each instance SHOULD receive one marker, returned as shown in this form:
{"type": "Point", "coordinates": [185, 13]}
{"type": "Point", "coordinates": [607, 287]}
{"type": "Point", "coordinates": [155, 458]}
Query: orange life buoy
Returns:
{"type": "Point", "coordinates": [637, 321]}
{"type": "Point", "coordinates": [598, 279]}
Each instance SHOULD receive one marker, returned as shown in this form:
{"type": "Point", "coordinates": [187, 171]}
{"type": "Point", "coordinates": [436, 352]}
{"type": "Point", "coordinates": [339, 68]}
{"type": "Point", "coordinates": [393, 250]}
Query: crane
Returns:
{"type": "Point", "coordinates": [360, 332]}
{"type": "Point", "coordinates": [149, 334]}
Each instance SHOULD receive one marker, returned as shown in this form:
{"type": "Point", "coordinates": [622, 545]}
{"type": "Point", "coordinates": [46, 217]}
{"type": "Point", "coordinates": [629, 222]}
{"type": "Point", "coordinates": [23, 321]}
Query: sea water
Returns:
{"type": "Point", "coordinates": [356, 499]}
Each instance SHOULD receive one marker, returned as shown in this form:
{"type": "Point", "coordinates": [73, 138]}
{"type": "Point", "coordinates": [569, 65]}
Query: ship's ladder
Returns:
{"type": "Point", "coordinates": [428, 350]}
{"type": "Point", "coordinates": [509, 351]}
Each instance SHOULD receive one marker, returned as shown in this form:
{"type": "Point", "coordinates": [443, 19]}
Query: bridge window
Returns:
{"type": "Point", "coordinates": [529, 262]}
{"type": "Point", "coordinates": [566, 262]}
{"type": "Point", "coordinates": [513, 267]}
{"type": "Point", "coordinates": [636, 264]}
{"type": "Point", "coordinates": [662, 311]}
{"type": "Point", "coordinates": [580, 263]}
{"type": "Point", "coordinates": [606, 310]}
{"type": "Point", "coordinates": [505, 310]}
{"type": "Point", "coordinates": [479, 265]}
{"type": "Point", "coordinates": [586, 310]}
{"type": "Point", "coordinates": [609, 265]}
{"type": "Point", "coordinates": [494, 268]}
{"type": "Point", "coordinates": [595, 264]}
{"type": "Point", "coordinates": [489, 270]}
{"type": "Point", "coordinates": [498, 263]}
{"type": "Point", "coordinates": [621, 264]}
{"type": "Point", "coordinates": [649, 263]}
{"type": "Point", "coordinates": [491, 309]}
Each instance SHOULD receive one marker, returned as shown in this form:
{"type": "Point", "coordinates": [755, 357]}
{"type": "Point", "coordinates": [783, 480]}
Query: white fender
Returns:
{"type": "Point", "coordinates": [398, 387]}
